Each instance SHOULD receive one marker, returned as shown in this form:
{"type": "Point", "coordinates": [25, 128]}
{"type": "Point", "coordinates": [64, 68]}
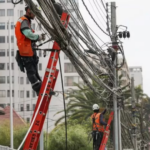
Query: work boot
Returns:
{"type": "Point", "coordinates": [37, 87]}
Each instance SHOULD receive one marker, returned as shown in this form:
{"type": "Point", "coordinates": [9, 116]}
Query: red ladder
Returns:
{"type": "Point", "coordinates": [49, 82]}
{"type": "Point", "coordinates": [106, 132]}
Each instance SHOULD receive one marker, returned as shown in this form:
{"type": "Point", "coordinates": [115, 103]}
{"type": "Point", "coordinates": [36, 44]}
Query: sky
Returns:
{"type": "Point", "coordinates": [135, 14]}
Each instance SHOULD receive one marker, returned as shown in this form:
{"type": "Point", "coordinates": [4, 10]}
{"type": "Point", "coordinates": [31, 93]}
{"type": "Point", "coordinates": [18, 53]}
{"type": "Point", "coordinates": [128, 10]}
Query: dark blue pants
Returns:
{"type": "Point", "coordinates": [30, 64]}
{"type": "Point", "coordinates": [97, 139]}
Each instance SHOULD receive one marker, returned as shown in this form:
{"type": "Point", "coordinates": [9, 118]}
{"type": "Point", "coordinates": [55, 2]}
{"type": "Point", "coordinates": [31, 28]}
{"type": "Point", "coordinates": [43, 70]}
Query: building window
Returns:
{"type": "Point", "coordinates": [21, 80]}
{"type": "Point", "coordinates": [69, 68]}
{"type": "Point", "coordinates": [10, 12]}
{"type": "Point", "coordinates": [2, 52]}
{"type": "Point", "coordinates": [33, 107]}
{"type": "Point", "coordinates": [40, 66]}
{"type": "Point", "coordinates": [28, 107]}
{"type": "Point", "coordinates": [21, 94]}
{"type": "Point", "coordinates": [8, 79]}
{"type": "Point", "coordinates": [28, 120]}
{"type": "Point", "coordinates": [3, 105]}
{"type": "Point", "coordinates": [2, 39]}
{"type": "Point", "coordinates": [40, 53]}
{"type": "Point", "coordinates": [70, 80]}
{"type": "Point", "coordinates": [2, 66]}
{"type": "Point", "coordinates": [2, 25]}
{"type": "Point", "coordinates": [12, 66]}
{"type": "Point", "coordinates": [21, 13]}
{"type": "Point", "coordinates": [2, 93]}
{"type": "Point", "coordinates": [2, 1]}
{"type": "Point", "coordinates": [27, 94]}
{"type": "Point", "coordinates": [12, 52]}
{"type": "Point", "coordinates": [33, 26]}
{"type": "Point", "coordinates": [2, 79]}
{"type": "Point", "coordinates": [27, 80]}
{"type": "Point", "coordinates": [12, 25]}
{"type": "Point", "coordinates": [2, 12]}
{"type": "Point", "coordinates": [12, 39]}
{"type": "Point", "coordinates": [33, 94]}
{"type": "Point", "coordinates": [8, 93]}
{"type": "Point", "coordinates": [21, 107]}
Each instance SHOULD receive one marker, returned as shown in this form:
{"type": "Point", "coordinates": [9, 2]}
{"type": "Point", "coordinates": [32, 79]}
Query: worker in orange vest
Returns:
{"type": "Point", "coordinates": [27, 56]}
{"type": "Point", "coordinates": [97, 126]}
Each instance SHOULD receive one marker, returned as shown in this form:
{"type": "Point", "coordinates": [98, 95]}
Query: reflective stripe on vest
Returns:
{"type": "Point", "coordinates": [23, 43]}
{"type": "Point", "coordinates": [97, 125]}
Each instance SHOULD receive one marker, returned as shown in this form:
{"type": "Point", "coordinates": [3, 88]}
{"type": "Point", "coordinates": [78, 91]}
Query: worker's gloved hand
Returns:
{"type": "Point", "coordinates": [105, 110]}
{"type": "Point", "coordinates": [42, 37]}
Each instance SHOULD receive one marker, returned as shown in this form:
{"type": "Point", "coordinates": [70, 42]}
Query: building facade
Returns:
{"type": "Point", "coordinates": [24, 98]}
{"type": "Point", "coordinates": [136, 73]}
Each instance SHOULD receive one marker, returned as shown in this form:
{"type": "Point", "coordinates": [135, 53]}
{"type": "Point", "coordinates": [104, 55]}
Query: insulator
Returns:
{"type": "Point", "coordinates": [120, 34]}
{"type": "Point", "coordinates": [124, 34]}
{"type": "Point", "coordinates": [128, 34]}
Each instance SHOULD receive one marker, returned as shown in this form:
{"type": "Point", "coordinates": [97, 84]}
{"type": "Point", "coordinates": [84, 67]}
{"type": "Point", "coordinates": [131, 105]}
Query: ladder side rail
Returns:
{"type": "Point", "coordinates": [32, 135]}
{"type": "Point", "coordinates": [45, 112]}
{"type": "Point", "coordinates": [43, 83]}
{"type": "Point", "coordinates": [106, 132]}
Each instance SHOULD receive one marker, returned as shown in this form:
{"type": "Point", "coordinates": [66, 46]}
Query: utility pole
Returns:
{"type": "Point", "coordinates": [42, 140]}
{"type": "Point", "coordinates": [134, 136]}
{"type": "Point", "coordinates": [119, 128]}
{"type": "Point", "coordinates": [10, 89]}
{"type": "Point", "coordinates": [113, 29]}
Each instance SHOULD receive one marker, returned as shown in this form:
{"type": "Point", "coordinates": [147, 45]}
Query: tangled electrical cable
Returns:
{"type": "Point", "coordinates": [87, 67]}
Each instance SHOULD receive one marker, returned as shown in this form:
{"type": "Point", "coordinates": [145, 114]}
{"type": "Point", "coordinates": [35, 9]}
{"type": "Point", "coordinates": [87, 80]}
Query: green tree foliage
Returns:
{"type": "Point", "coordinates": [80, 104]}
{"type": "Point", "coordinates": [19, 133]}
{"type": "Point", "coordinates": [77, 138]}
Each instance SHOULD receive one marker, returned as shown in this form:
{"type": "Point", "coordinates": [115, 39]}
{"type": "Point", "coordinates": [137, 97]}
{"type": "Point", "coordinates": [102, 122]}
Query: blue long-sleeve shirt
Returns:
{"type": "Point", "coordinates": [101, 120]}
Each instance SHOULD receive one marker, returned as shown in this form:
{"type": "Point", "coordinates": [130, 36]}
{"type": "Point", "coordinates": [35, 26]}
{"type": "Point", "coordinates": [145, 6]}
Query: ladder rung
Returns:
{"type": "Point", "coordinates": [49, 70]}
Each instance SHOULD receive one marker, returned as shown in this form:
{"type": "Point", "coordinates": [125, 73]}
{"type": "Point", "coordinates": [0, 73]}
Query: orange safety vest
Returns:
{"type": "Point", "coordinates": [23, 43]}
{"type": "Point", "coordinates": [97, 125]}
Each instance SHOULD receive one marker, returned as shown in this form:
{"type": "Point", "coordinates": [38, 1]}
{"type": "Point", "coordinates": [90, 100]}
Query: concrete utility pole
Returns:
{"type": "Point", "coordinates": [113, 29]}
{"type": "Point", "coordinates": [133, 113]}
{"type": "Point", "coordinates": [119, 129]}
{"type": "Point", "coordinates": [42, 140]}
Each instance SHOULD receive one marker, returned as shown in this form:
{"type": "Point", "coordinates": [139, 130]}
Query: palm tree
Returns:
{"type": "Point", "coordinates": [80, 103]}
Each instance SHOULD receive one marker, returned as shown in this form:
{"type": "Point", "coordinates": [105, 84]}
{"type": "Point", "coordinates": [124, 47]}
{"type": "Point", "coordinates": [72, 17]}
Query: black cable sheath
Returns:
{"type": "Point", "coordinates": [16, 2]}
{"type": "Point", "coordinates": [93, 18]}
{"type": "Point", "coordinates": [63, 99]}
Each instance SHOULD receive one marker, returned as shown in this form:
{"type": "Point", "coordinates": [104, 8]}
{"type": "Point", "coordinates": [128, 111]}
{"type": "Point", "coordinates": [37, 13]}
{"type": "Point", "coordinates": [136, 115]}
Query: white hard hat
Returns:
{"type": "Point", "coordinates": [95, 107]}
